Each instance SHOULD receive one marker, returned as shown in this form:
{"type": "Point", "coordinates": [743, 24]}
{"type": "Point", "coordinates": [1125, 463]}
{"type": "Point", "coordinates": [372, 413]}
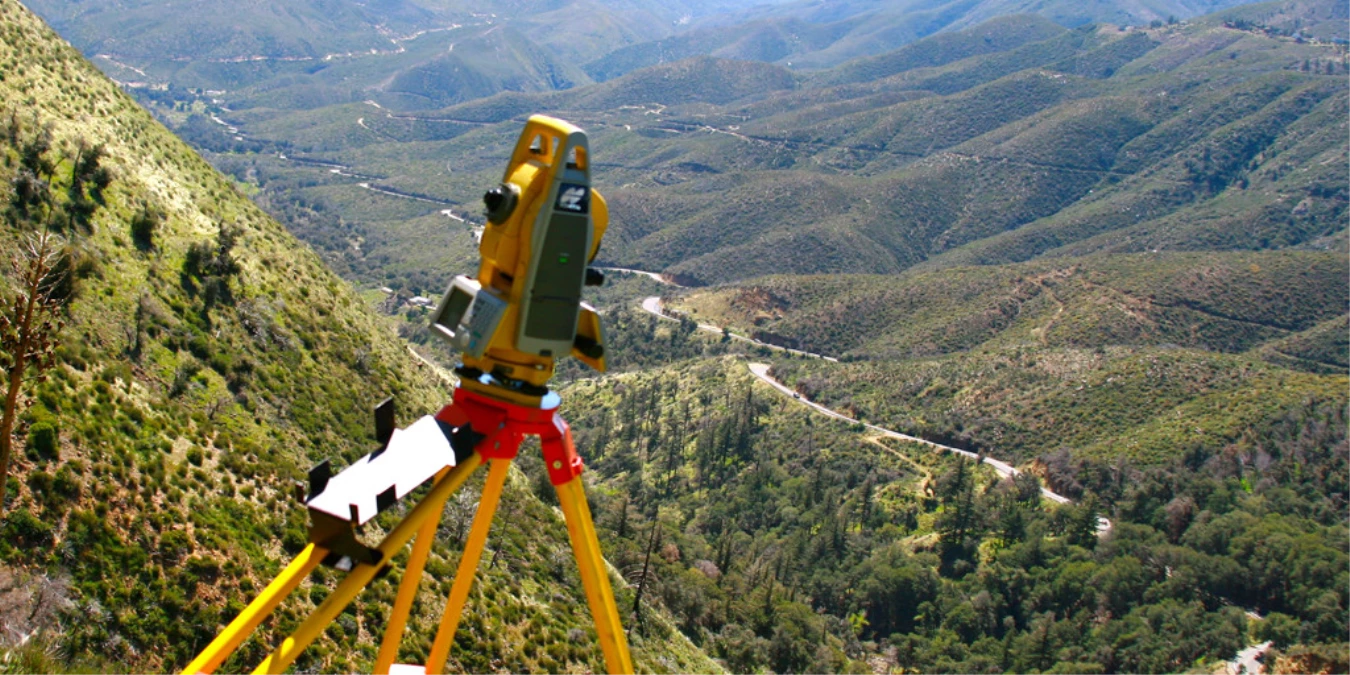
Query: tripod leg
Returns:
{"type": "Point", "coordinates": [468, 564]}
{"type": "Point", "coordinates": [327, 611]}
{"type": "Point", "coordinates": [594, 576]}
{"type": "Point", "coordinates": [564, 469]}
{"type": "Point", "coordinates": [243, 625]}
{"type": "Point", "coordinates": [407, 592]}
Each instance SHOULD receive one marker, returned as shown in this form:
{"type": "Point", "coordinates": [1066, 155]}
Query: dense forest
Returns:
{"type": "Point", "coordinates": [788, 542]}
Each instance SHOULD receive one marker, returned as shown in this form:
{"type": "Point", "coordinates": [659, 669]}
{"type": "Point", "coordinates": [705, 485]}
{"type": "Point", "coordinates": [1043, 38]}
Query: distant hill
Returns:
{"type": "Point", "coordinates": [697, 80]}
{"type": "Point", "coordinates": [1316, 19]}
{"type": "Point", "coordinates": [340, 50]}
{"type": "Point", "coordinates": [1219, 302]}
{"type": "Point", "coordinates": [994, 36]}
{"type": "Point", "coordinates": [206, 31]}
{"type": "Point", "coordinates": [809, 35]}
{"type": "Point", "coordinates": [768, 41]}
{"type": "Point", "coordinates": [1051, 146]}
{"type": "Point", "coordinates": [1091, 353]}
{"type": "Point", "coordinates": [1043, 142]}
{"type": "Point", "coordinates": [208, 360]}
{"type": "Point", "coordinates": [493, 61]}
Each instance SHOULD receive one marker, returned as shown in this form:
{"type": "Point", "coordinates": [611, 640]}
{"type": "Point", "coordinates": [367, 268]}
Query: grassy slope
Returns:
{"type": "Point", "coordinates": [183, 423]}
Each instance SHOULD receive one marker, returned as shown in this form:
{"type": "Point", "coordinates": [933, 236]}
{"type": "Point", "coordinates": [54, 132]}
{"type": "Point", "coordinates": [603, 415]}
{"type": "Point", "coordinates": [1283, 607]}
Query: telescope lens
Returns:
{"type": "Point", "coordinates": [494, 198]}
{"type": "Point", "coordinates": [499, 202]}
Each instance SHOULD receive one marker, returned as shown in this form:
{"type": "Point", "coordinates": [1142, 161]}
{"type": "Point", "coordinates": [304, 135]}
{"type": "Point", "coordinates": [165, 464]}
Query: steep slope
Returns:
{"type": "Point", "coordinates": [208, 359]}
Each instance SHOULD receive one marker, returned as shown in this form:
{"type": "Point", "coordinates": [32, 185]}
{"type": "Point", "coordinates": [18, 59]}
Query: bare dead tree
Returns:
{"type": "Point", "coordinates": [29, 325]}
{"type": "Point", "coordinates": [652, 542]}
{"type": "Point", "coordinates": [29, 603]}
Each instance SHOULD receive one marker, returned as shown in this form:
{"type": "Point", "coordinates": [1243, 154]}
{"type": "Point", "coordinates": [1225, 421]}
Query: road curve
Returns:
{"type": "Point", "coordinates": [653, 305]}
{"type": "Point", "coordinates": [1247, 661]}
{"type": "Point", "coordinates": [1004, 469]}
{"type": "Point", "coordinates": [761, 370]}
{"type": "Point", "coordinates": [655, 276]}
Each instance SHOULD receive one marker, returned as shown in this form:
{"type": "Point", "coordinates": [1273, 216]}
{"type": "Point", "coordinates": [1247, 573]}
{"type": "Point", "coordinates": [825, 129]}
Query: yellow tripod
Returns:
{"type": "Point", "coordinates": [498, 427]}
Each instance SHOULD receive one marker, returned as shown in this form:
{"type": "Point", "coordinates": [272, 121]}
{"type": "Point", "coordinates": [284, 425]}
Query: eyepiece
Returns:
{"type": "Point", "coordinates": [500, 201]}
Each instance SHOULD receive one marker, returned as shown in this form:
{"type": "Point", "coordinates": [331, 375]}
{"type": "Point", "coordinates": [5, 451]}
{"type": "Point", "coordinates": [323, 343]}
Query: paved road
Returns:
{"type": "Point", "coordinates": [1246, 660]}
{"type": "Point", "coordinates": [660, 278]}
{"type": "Point", "coordinates": [653, 305]}
{"type": "Point", "coordinates": [1004, 469]}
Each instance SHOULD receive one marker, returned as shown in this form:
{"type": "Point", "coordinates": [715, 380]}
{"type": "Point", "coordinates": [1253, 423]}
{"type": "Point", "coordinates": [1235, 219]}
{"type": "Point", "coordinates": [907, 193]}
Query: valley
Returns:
{"type": "Point", "coordinates": [941, 337]}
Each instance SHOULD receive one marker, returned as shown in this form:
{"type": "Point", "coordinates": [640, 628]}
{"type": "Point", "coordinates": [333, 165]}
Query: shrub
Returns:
{"type": "Point", "coordinates": [43, 442]}
{"type": "Point", "coordinates": [144, 225]}
{"type": "Point", "coordinates": [182, 378]}
{"type": "Point", "coordinates": [65, 484]}
{"type": "Point", "coordinates": [23, 528]}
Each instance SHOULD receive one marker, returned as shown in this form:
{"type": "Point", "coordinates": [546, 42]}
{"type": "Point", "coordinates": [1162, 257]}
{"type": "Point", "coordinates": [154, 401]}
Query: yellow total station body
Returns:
{"type": "Point", "coordinates": [509, 324]}
{"type": "Point", "coordinates": [524, 309]}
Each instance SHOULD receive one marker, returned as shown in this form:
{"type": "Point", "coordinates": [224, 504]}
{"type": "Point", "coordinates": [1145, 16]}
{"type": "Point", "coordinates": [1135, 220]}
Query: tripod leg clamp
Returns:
{"type": "Point", "coordinates": [560, 454]}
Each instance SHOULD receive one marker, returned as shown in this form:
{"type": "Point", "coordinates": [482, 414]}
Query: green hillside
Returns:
{"type": "Point", "coordinates": [1030, 358]}
{"type": "Point", "coordinates": [207, 360]}
{"type": "Point", "coordinates": [1003, 142]}
{"type": "Point", "coordinates": [790, 542]}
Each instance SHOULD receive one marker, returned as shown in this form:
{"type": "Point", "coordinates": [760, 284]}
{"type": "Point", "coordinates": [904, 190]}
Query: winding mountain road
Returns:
{"type": "Point", "coordinates": [655, 276]}
{"type": "Point", "coordinates": [761, 370]}
{"type": "Point", "coordinates": [1004, 469]}
{"type": "Point", "coordinates": [653, 305]}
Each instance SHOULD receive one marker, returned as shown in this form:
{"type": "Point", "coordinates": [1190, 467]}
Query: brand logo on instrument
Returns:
{"type": "Point", "coordinates": [573, 198]}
